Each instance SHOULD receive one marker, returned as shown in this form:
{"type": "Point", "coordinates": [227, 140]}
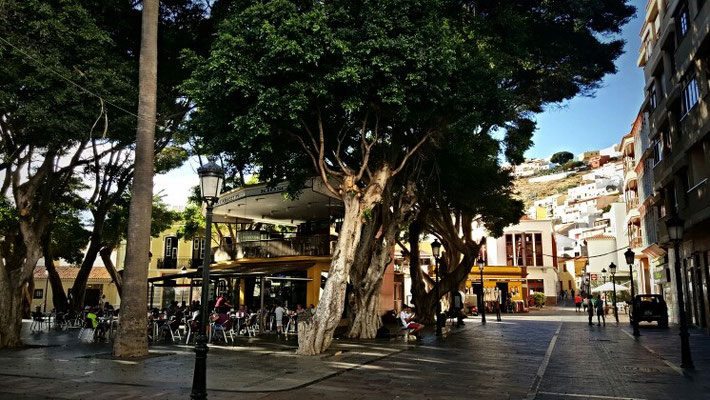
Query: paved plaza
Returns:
{"type": "Point", "coordinates": [549, 354]}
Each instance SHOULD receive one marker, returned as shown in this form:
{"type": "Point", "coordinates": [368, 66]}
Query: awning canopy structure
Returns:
{"type": "Point", "coordinates": [608, 287]}
{"type": "Point", "coordinates": [270, 204]}
{"type": "Point", "coordinates": [246, 267]}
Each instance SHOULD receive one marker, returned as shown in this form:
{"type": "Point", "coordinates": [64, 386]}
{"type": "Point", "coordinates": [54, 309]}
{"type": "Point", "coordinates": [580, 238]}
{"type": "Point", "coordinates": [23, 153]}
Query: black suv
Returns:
{"type": "Point", "coordinates": [650, 307]}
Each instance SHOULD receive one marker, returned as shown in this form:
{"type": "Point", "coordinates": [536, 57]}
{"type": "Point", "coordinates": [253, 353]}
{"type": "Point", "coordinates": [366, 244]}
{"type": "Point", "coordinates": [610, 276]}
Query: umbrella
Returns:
{"type": "Point", "coordinates": [608, 287]}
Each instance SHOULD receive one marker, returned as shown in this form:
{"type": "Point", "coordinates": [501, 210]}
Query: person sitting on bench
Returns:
{"type": "Point", "coordinates": [407, 317]}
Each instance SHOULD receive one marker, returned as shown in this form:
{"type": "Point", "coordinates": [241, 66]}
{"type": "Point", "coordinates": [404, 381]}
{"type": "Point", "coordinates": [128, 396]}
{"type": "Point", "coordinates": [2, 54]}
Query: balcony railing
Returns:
{"type": "Point", "coordinates": [632, 203]}
{"type": "Point", "coordinates": [636, 242]}
{"type": "Point", "coordinates": [178, 263]}
{"type": "Point", "coordinates": [698, 197]}
{"type": "Point", "coordinates": [316, 245]}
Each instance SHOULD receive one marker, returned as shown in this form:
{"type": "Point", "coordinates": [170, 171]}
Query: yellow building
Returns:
{"type": "Point", "coordinates": [511, 281]}
{"type": "Point", "coordinates": [99, 284]}
{"type": "Point", "coordinates": [252, 261]}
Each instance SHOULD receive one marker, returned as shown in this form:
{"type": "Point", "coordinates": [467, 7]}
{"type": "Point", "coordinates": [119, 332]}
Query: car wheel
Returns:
{"type": "Point", "coordinates": [663, 323]}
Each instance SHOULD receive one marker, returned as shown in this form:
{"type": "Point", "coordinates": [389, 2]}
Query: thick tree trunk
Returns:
{"type": "Point", "coordinates": [82, 277]}
{"type": "Point", "coordinates": [59, 298]}
{"type": "Point", "coordinates": [316, 336]}
{"type": "Point", "coordinates": [366, 293]}
{"type": "Point", "coordinates": [424, 302]}
{"type": "Point", "coordinates": [363, 259]}
{"type": "Point", "coordinates": [11, 298]}
{"type": "Point", "coordinates": [132, 340]}
{"type": "Point", "coordinates": [105, 254]}
{"type": "Point", "coordinates": [376, 250]}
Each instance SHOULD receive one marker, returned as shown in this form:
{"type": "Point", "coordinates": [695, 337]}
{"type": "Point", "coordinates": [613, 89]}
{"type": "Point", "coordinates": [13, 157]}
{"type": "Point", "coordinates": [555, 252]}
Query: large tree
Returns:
{"type": "Point", "coordinates": [55, 61]}
{"type": "Point", "coordinates": [359, 87]}
{"type": "Point", "coordinates": [356, 89]}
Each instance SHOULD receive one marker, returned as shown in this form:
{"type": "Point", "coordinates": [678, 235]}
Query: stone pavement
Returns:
{"type": "Point", "coordinates": [548, 354]}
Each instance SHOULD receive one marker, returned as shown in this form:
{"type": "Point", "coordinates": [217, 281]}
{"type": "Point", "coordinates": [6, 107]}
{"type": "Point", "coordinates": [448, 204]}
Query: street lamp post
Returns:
{"type": "Point", "coordinates": [629, 256]}
{"type": "Point", "coordinates": [46, 286]}
{"type": "Point", "coordinates": [604, 274]}
{"type": "Point", "coordinates": [481, 265]}
{"type": "Point", "coordinates": [211, 178]}
{"type": "Point", "coordinates": [183, 271]}
{"type": "Point", "coordinates": [675, 233]}
{"type": "Point", "coordinates": [612, 269]}
{"type": "Point", "coordinates": [436, 251]}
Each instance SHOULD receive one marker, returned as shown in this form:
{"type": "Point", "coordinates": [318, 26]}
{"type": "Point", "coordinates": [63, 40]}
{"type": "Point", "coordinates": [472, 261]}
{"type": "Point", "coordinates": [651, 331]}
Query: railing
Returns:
{"type": "Point", "coordinates": [632, 203]}
{"type": "Point", "coordinates": [698, 197]}
{"type": "Point", "coordinates": [317, 245]}
{"type": "Point", "coordinates": [177, 263]}
{"type": "Point", "coordinates": [636, 242]}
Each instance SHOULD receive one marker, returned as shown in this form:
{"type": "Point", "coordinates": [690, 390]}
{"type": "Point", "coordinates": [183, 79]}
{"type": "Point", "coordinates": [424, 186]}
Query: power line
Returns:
{"type": "Point", "coordinates": [63, 77]}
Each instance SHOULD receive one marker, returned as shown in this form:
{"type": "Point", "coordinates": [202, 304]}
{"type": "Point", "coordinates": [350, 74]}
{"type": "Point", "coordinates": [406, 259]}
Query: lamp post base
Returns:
{"type": "Point", "coordinates": [199, 379]}
{"type": "Point", "coordinates": [686, 358]}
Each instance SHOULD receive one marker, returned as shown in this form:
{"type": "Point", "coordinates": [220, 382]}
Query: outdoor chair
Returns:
{"type": "Point", "coordinates": [224, 328]}
{"type": "Point", "coordinates": [291, 326]}
{"type": "Point", "coordinates": [253, 325]}
{"type": "Point", "coordinates": [87, 330]}
{"type": "Point", "coordinates": [407, 331]}
{"type": "Point", "coordinates": [193, 327]}
{"type": "Point", "coordinates": [174, 327]}
{"type": "Point", "coordinates": [37, 322]}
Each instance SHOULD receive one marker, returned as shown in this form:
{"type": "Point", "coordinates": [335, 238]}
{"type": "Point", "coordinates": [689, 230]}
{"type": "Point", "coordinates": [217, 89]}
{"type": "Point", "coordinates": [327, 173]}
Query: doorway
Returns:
{"type": "Point", "coordinates": [92, 296]}
{"type": "Point", "coordinates": [503, 289]}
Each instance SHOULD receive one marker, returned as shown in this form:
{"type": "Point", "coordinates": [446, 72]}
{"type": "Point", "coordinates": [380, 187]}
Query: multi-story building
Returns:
{"type": "Point", "coordinates": [531, 245]}
{"type": "Point", "coordinates": [675, 56]}
{"type": "Point", "coordinates": [641, 217]}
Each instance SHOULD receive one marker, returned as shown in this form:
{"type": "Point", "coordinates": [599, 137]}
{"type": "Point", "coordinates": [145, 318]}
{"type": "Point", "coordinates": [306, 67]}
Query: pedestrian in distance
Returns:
{"type": "Point", "coordinates": [499, 299]}
{"type": "Point", "coordinates": [600, 310]}
{"type": "Point", "coordinates": [585, 303]}
{"type": "Point", "coordinates": [590, 309]}
{"type": "Point", "coordinates": [577, 303]}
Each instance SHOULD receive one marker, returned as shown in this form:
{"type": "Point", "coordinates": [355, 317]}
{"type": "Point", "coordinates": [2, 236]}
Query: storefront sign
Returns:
{"type": "Point", "coordinates": [251, 192]}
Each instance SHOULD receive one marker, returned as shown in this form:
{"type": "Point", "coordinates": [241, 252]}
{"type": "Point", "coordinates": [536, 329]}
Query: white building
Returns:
{"type": "Point", "coordinates": [529, 244]}
{"type": "Point", "coordinates": [531, 167]}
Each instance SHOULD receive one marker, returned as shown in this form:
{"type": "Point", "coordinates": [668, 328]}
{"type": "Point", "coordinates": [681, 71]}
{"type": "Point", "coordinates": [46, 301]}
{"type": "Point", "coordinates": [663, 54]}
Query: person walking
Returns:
{"type": "Point", "coordinates": [590, 309]}
{"type": "Point", "coordinates": [600, 310]}
{"type": "Point", "coordinates": [585, 303]}
{"type": "Point", "coordinates": [577, 303]}
{"type": "Point", "coordinates": [499, 299]}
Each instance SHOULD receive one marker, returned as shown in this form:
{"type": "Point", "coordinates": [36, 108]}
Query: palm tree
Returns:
{"type": "Point", "coordinates": [132, 340]}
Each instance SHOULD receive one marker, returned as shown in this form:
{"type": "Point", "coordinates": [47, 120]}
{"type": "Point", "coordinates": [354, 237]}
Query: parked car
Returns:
{"type": "Point", "coordinates": [650, 308]}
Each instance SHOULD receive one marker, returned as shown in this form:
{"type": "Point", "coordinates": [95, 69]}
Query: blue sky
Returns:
{"type": "Point", "coordinates": [585, 123]}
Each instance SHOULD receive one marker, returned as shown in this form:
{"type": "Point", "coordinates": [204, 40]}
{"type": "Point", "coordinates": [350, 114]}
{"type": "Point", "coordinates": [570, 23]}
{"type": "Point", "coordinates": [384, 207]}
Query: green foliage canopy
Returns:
{"type": "Point", "coordinates": [333, 76]}
{"type": "Point", "coordinates": [561, 157]}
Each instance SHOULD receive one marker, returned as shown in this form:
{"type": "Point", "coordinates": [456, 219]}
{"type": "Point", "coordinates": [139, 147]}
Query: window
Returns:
{"type": "Point", "coordinates": [657, 152]}
{"type": "Point", "coordinates": [667, 142]}
{"type": "Point", "coordinates": [652, 97]}
{"type": "Point", "coordinates": [170, 244]}
{"type": "Point", "coordinates": [538, 249]}
{"type": "Point", "coordinates": [690, 94]}
{"type": "Point", "coordinates": [509, 257]}
{"type": "Point", "coordinates": [38, 294]}
{"type": "Point", "coordinates": [518, 249]}
{"type": "Point", "coordinates": [529, 249]}
{"type": "Point", "coordinates": [683, 22]}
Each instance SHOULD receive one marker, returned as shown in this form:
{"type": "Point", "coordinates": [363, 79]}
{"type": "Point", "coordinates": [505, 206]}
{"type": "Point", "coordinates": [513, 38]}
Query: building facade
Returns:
{"type": "Point", "coordinates": [530, 244]}
{"type": "Point", "coordinates": [675, 56]}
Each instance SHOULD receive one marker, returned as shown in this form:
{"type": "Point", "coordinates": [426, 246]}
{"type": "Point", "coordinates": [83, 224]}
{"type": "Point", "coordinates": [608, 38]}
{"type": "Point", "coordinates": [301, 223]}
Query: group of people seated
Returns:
{"type": "Point", "coordinates": [221, 312]}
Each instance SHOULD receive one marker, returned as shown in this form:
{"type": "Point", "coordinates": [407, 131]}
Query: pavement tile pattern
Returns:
{"type": "Point", "coordinates": [548, 354]}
